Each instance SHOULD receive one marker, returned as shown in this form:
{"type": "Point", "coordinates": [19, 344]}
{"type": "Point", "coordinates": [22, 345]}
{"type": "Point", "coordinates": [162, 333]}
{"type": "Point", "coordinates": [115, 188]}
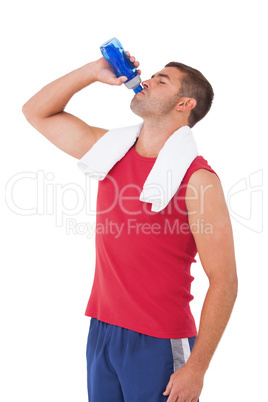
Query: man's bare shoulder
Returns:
{"type": "Point", "coordinates": [203, 176]}
{"type": "Point", "coordinates": [204, 188]}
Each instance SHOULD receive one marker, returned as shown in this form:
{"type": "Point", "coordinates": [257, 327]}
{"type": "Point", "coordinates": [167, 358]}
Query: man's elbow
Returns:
{"type": "Point", "coordinates": [232, 281]}
{"type": "Point", "coordinates": [32, 114]}
{"type": "Point", "coordinates": [26, 110]}
{"type": "Point", "coordinates": [227, 286]}
{"type": "Point", "coordinates": [235, 286]}
{"type": "Point", "coordinates": [232, 291]}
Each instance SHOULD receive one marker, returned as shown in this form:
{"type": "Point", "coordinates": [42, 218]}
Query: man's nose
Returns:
{"type": "Point", "coordinates": [146, 84]}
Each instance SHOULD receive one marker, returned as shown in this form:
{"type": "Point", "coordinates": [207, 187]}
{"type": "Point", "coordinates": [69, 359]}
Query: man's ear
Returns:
{"type": "Point", "coordinates": [186, 104]}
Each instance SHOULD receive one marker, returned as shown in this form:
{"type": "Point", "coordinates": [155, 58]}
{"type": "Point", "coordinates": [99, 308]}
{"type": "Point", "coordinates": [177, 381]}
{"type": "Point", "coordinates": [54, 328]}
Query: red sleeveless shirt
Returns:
{"type": "Point", "coordinates": [142, 276]}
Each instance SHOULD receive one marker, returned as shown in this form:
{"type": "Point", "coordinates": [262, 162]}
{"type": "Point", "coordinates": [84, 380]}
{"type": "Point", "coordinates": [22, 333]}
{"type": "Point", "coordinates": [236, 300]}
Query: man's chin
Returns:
{"type": "Point", "coordinates": [136, 105]}
{"type": "Point", "coordinates": [134, 108]}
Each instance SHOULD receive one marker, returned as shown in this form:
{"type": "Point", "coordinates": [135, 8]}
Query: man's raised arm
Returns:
{"type": "Point", "coordinates": [45, 110]}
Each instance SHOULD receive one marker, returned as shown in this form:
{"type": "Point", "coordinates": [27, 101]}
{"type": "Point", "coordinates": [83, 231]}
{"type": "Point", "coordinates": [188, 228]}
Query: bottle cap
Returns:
{"type": "Point", "coordinates": [138, 89]}
{"type": "Point", "coordinates": [134, 82]}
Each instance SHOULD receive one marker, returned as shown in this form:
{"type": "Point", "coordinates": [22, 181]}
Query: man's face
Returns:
{"type": "Point", "coordinates": [160, 94]}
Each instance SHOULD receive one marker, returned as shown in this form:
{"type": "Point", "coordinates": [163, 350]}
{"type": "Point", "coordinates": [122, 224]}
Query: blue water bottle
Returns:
{"type": "Point", "coordinates": [114, 53]}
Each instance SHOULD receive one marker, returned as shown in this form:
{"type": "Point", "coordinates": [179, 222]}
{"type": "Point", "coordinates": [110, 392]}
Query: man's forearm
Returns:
{"type": "Point", "coordinates": [218, 305]}
{"type": "Point", "coordinates": [45, 110]}
{"type": "Point", "coordinates": [54, 97]}
{"type": "Point", "coordinates": [215, 314]}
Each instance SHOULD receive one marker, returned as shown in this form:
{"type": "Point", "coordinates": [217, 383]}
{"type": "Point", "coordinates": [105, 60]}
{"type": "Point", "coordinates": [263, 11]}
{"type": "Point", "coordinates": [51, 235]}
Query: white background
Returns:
{"type": "Point", "coordinates": [47, 272]}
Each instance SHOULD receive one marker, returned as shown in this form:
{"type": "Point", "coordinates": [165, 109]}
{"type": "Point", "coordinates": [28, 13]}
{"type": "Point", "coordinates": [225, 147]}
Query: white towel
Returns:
{"type": "Point", "coordinates": [167, 173]}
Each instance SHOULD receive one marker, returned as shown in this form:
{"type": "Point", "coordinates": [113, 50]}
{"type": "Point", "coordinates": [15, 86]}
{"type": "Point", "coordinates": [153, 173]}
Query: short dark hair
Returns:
{"type": "Point", "coordinates": [195, 85]}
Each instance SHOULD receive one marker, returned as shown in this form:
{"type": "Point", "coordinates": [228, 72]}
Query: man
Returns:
{"type": "Point", "coordinates": [142, 343]}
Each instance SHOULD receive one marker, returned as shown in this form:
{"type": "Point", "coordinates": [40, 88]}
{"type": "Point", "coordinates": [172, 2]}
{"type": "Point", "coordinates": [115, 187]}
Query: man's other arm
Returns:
{"type": "Point", "coordinates": [208, 215]}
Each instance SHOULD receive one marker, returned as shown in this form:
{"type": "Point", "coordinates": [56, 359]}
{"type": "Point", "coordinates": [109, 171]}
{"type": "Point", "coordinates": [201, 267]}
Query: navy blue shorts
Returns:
{"type": "Point", "coordinates": [126, 366]}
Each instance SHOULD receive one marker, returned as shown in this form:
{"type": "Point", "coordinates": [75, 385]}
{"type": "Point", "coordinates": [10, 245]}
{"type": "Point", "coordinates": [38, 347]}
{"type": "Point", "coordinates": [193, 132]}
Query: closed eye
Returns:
{"type": "Point", "coordinates": [160, 75]}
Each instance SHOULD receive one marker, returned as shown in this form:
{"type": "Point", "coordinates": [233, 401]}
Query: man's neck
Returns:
{"type": "Point", "coordinates": [152, 138]}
